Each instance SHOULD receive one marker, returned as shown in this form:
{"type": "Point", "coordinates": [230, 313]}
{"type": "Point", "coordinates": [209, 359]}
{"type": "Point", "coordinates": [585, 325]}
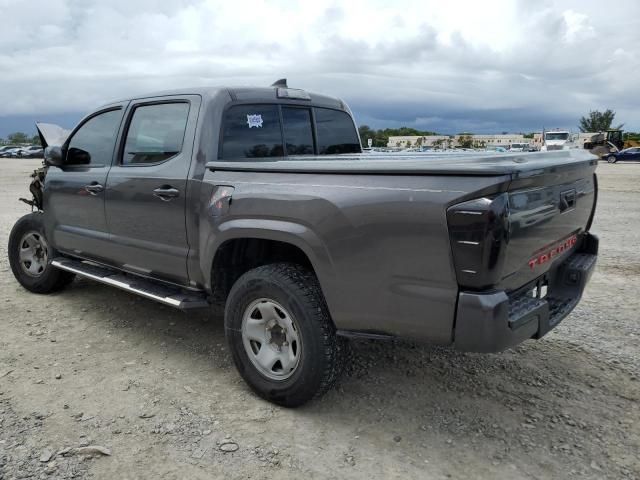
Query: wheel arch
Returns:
{"type": "Point", "coordinates": [241, 245]}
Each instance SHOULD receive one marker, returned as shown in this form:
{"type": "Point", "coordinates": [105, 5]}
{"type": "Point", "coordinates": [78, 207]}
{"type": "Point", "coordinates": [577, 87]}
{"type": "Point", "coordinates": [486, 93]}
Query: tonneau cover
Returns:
{"type": "Point", "coordinates": [444, 163]}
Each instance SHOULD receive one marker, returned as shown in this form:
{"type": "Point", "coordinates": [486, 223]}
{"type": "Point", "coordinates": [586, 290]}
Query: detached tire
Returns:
{"type": "Point", "coordinates": [281, 337]}
{"type": "Point", "coordinates": [30, 256]}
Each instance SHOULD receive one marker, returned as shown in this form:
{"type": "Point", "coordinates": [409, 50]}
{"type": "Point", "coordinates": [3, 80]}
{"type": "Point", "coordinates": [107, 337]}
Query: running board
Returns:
{"type": "Point", "coordinates": [172, 296]}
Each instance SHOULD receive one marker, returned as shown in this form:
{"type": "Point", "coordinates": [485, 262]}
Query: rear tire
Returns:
{"type": "Point", "coordinates": [281, 336]}
{"type": "Point", "coordinates": [30, 256]}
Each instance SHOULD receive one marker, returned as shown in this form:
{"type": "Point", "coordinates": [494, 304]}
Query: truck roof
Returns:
{"type": "Point", "coordinates": [242, 94]}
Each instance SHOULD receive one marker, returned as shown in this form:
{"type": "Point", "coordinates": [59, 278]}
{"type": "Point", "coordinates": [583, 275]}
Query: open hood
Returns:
{"type": "Point", "coordinates": [51, 134]}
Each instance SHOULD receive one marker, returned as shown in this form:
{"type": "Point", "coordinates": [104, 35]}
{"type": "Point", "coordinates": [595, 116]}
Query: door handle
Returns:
{"type": "Point", "coordinates": [166, 193]}
{"type": "Point", "coordinates": [94, 188]}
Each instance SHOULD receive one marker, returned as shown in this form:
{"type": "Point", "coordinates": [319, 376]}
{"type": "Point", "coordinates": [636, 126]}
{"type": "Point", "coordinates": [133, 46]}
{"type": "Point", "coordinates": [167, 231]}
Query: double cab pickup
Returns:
{"type": "Point", "coordinates": [260, 202]}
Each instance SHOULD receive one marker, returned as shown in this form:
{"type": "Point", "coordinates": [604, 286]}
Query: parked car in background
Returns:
{"type": "Point", "coordinates": [24, 151]}
{"type": "Point", "coordinates": [5, 149]}
{"type": "Point", "coordinates": [632, 153]}
{"type": "Point", "coordinates": [31, 151]}
{"type": "Point", "coordinates": [518, 147]}
{"type": "Point", "coordinates": [12, 152]}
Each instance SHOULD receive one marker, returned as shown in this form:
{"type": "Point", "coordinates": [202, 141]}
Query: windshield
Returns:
{"type": "Point", "coordinates": [556, 135]}
{"type": "Point", "coordinates": [518, 145]}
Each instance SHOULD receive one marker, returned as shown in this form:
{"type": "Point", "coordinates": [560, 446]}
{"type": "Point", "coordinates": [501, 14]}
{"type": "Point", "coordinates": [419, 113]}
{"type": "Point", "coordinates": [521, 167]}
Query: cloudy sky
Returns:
{"type": "Point", "coordinates": [480, 66]}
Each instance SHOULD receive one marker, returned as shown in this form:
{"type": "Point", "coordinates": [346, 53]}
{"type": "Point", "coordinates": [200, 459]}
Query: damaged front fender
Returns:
{"type": "Point", "coordinates": [35, 188]}
{"type": "Point", "coordinates": [51, 135]}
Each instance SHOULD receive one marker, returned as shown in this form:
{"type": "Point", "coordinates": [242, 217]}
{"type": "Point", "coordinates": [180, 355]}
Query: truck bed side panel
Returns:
{"type": "Point", "coordinates": [379, 244]}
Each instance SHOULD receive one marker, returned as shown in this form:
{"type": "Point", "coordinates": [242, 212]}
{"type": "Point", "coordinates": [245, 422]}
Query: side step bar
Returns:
{"type": "Point", "coordinates": [172, 296]}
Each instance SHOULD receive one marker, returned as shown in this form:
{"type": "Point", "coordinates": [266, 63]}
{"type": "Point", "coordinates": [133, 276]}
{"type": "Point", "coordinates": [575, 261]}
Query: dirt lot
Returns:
{"type": "Point", "coordinates": [96, 366]}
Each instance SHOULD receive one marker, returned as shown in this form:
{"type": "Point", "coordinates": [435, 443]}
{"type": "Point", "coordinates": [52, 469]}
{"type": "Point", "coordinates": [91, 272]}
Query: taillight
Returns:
{"type": "Point", "coordinates": [479, 233]}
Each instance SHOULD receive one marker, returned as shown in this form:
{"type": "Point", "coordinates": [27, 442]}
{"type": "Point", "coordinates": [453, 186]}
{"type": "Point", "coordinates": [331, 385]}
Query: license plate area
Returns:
{"type": "Point", "coordinates": [539, 290]}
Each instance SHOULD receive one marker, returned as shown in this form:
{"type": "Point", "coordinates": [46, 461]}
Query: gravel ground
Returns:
{"type": "Point", "coordinates": [156, 389]}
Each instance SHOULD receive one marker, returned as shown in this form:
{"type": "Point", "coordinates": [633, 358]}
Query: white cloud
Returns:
{"type": "Point", "coordinates": [578, 27]}
{"type": "Point", "coordinates": [407, 60]}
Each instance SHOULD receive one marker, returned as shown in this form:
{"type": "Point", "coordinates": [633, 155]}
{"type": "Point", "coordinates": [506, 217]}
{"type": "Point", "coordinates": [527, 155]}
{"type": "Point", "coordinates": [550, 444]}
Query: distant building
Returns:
{"type": "Point", "coordinates": [452, 141]}
{"type": "Point", "coordinates": [413, 141]}
{"type": "Point", "coordinates": [498, 140]}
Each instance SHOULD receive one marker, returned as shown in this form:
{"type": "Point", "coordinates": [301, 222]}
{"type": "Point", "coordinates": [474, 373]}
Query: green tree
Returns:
{"type": "Point", "coordinates": [598, 121]}
{"type": "Point", "coordinates": [365, 134]}
{"type": "Point", "coordinates": [35, 140]}
{"type": "Point", "coordinates": [381, 137]}
{"type": "Point", "coordinates": [18, 137]}
{"type": "Point", "coordinates": [465, 141]}
{"type": "Point", "coordinates": [528, 135]}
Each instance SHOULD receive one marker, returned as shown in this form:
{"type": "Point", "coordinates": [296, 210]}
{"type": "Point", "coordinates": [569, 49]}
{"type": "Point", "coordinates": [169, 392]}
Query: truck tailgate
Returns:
{"type": "Point", "coordinates": [549, 209]}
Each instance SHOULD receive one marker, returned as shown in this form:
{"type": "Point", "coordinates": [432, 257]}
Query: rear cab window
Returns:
{"type": "Point", "coordinates": [298, 131]}
{"type": "Point", "coordinates": [252, 131]}
{"type": "Point", "coordinates": [336, 132]}
{"type": "Point", "coordinates": [277, 130]}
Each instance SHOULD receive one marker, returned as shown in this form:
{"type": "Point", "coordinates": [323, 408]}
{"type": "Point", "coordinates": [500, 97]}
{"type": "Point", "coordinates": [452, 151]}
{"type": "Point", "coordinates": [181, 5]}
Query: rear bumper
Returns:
{"type": "Point", "coordinates": [491, 322]}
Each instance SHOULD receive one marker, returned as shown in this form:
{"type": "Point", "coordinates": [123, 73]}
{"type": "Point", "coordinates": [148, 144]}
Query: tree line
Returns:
{"type": "Point", "coordinates": [380, 138]}
{"type": "Point", "coordinates": [18, 138]}
{"type": "Point", "coordinates": [594, 121]}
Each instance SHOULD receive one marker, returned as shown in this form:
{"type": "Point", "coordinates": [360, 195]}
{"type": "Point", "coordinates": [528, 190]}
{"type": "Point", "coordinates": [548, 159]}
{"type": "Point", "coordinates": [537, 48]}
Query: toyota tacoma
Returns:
{"type": "Point", "coordinates": [259, 202]}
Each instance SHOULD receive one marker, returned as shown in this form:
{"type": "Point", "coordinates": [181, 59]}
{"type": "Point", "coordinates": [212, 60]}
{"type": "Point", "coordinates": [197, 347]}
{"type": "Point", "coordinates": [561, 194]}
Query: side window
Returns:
{"type": "Point", "coordinates": [156, 133]}
{"type": "Point", "coordinates": [251, 131]}
{"type": "Point", "coordinates": [298, 135]}
{"type": "Point", "coordinates": [336, 132]}
{"type": "Point", "coordinates": [93, 142]}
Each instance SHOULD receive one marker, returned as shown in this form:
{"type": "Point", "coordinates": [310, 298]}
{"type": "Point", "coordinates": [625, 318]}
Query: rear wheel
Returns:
{"type": "Point", "coordinates": [282, 339]}
{"type": "Point", "coordinates": [30, 256]}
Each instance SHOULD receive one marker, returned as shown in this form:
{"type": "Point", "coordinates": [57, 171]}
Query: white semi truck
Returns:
{"type": "Point", "coordinates": [559, 140]}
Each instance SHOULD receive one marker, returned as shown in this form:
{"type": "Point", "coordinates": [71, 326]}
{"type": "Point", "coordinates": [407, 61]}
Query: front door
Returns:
{"type": "Point", "coordinates": [74, 193]}
{"type": "Point", "coordinates": [146, 188]}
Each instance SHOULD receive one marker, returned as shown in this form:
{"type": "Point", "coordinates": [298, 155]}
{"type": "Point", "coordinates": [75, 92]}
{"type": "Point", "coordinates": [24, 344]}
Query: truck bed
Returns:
{"type": "Point", "coordinates": [464, 163]}
{"type": "Point", "coordinates": [387, 223]}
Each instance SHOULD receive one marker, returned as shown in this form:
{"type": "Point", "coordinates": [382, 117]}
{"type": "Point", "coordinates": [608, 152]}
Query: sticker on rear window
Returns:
{"type": "Point", "coordinates": [254, 121]}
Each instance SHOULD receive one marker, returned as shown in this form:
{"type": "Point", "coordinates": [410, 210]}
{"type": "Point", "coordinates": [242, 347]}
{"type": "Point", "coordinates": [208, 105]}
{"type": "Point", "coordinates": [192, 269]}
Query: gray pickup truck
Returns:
{"type": "Point", "coordinates": [260, 201]}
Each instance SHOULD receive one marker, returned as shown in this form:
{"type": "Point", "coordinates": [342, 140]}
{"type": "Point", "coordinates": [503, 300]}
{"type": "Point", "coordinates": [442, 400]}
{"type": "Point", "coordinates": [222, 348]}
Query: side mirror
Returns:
{"type": "Point", "coordinates": [78, 156]}
{"type": "Point", "coordinates": [53, 156]}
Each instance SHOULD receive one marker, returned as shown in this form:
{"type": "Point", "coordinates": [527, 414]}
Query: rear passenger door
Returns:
{"type": "Point", "coordinates": [145, 198]}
